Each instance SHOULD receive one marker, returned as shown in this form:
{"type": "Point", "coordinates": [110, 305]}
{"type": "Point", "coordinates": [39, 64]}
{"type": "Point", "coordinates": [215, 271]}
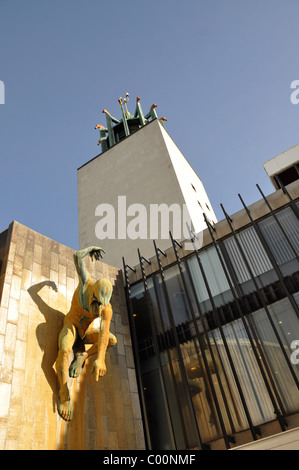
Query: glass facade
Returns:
{"type": "Point", "coordinates": [213, 336]}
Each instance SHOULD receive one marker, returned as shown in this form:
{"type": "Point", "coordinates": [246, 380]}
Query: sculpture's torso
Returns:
{"type": "Point", "coordinates": [80, 314]}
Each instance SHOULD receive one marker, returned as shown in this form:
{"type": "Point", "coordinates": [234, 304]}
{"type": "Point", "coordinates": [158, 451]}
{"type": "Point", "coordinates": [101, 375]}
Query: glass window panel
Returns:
{"type": "Point", "coordinates": [249, 375]}
{"type": "Point", "coordinates": [287, 325]}
{"type": "Point", "coordinates": [141, 317]}
{"type": "Point", "coordinates": [252, 258]}
{"type": "Point", "coordinates": [161, 301]}
{"type": "Point", "coordinates": [155, 304]}
{"type": "Point", "coordinates": [216, 279]}
{"type": "Point", "coordinates": [290, 224]}
{"type": "Point", "coordinates": [177, 296]}
{"type": "Point", "coordinates": [176, 404]}
{"type": "Point", "coordinates": [276, 241]}
{"type": "Point", "coordinates": [254, 251]}
{"type": "Point", "coordinates": [199, 386]}
{"type": "Point", "coordinates": [284, 248]}
{"type": "Point", "coordinates": [158, 406]}
{"type": "Point", "coordinates": [275, 238]}
{"type": "Point", "coordinates": [188, 422]}
{"type": "Point", "coordinates": [156, 413]}
{"type": "Point", "coordinates": [141, 309]}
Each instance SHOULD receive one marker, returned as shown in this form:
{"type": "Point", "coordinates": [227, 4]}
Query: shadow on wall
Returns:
{"type": "Point", "coordinates": [47, 334]}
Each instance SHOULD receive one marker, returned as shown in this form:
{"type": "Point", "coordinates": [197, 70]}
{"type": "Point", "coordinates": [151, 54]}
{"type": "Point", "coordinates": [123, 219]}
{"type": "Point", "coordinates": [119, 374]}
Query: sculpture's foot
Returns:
{"type": "Point", "coordinates": [77, 366]}
{"type": "Point", "coordinates": [65, 408]}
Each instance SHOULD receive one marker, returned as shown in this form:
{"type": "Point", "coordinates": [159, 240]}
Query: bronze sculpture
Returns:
{"type": "Point", "coordinates": [91, 300]}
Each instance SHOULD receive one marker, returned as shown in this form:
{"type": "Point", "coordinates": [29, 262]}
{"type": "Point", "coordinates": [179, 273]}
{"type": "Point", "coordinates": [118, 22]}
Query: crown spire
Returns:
{"type": "Point", "coordinates": [118, 129]}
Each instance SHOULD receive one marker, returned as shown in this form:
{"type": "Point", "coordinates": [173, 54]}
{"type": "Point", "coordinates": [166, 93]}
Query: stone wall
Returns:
{"type": "Point", "coordinates": [106, 413]}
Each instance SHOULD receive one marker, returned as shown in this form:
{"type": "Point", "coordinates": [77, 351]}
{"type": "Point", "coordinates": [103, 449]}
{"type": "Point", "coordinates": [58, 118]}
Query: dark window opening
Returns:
{"type": "Point", "coordinates": [289, 175]}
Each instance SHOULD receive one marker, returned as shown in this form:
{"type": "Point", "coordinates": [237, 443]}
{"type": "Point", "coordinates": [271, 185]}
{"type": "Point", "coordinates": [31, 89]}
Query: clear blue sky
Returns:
{"type": "Point", "coordinates": [219, 70]}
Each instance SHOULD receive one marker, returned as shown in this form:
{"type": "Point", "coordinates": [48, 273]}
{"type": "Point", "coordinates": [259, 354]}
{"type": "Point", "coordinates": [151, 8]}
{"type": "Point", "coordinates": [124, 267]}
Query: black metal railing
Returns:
{"type": "Point", "coordinates": [197, 329]}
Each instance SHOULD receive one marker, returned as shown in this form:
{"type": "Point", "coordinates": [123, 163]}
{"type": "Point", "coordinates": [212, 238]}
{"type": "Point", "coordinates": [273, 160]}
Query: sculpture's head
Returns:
{"type": "Point", "coordinates": [102, 292]}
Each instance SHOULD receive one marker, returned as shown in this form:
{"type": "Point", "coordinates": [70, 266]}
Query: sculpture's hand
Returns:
{"type": "Point", "coordinates": [96, 253]}
{"type": "Point", "coordinates": [99, 368]}
{"type": "Point", "coordinates": [52, 285]}
{"type": "Point", "coordinates": [33, 290]}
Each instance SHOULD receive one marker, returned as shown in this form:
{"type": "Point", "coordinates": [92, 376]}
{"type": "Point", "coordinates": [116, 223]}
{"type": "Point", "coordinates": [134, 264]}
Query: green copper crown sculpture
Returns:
{"type": "Point", "coordinates": [130, 123]}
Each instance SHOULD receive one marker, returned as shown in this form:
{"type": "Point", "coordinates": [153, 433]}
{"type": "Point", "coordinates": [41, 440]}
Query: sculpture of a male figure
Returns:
{"type": "Point", "coordinates": [91, 300]}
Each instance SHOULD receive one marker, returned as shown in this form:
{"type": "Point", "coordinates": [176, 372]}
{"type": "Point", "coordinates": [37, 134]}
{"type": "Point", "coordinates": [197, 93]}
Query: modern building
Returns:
{"type": "Point", "coordinates": [208, 337]}
{"type": "Point", "coordinates": [138, 189]}
{"type": "Point", "coordinates": [215, 331]}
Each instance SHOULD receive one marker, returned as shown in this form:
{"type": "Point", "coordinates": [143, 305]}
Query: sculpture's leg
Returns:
{"type": "Point", "coordinates": [77, 366]}
{"type": "Point", "coordinates": [66, 341]}
{"type": "Point", "coordinates": [91, 337]}
{"type": "Point", "coordinates": [99, 365]}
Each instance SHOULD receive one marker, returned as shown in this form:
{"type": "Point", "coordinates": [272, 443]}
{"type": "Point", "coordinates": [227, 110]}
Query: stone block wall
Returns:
{"type": "Point", "coordinates": [106, 413]}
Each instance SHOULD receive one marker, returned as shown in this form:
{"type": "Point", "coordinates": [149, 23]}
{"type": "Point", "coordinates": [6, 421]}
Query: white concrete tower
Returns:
{"type": "Point", "coordinates": [138, 189]}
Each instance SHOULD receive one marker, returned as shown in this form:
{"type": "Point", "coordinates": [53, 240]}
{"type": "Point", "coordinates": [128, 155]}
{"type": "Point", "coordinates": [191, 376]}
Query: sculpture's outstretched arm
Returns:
{"type": "Point", "coordinates": [34, 293]}
{"type": "Point", "coordinates": [94, 252]}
